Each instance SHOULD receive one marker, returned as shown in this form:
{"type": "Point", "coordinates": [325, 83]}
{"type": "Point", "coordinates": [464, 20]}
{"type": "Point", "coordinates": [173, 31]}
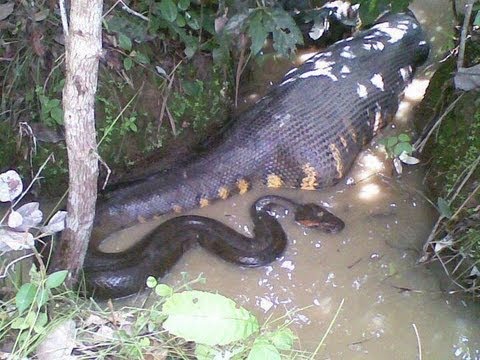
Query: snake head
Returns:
{"type": "Point", "coordinates": [317, 217]}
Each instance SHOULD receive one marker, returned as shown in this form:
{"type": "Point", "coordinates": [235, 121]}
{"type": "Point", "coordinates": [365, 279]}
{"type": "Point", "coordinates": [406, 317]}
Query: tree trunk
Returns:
{"type": "Point", "coordinates": [83, 45]}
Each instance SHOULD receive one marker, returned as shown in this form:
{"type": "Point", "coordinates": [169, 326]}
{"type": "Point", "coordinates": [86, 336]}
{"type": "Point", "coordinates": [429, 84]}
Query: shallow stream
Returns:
{"type": "Point", "coordinates": [392, 307]}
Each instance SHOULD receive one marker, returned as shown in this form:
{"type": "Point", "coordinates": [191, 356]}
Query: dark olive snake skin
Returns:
{"type": "Point", "coordinates": [305, 134]}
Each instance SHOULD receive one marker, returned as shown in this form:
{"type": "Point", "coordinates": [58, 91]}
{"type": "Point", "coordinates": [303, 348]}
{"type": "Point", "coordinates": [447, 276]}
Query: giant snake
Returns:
{"type": "Point", "coordinates": [305, 133]}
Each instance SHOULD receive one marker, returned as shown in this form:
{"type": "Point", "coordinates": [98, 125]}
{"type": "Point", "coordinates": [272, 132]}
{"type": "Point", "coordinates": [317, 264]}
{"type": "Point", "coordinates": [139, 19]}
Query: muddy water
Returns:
{"type": "Point", "coordinates": [392, 307]}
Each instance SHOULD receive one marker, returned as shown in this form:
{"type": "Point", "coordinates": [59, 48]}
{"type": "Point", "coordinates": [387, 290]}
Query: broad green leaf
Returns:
{"type": "Point", "coordinates": [168, 10]}
{"type": "Point", "coordinates": [283, 339]}
{"type": "Point", "coordinates": [404, 138]}
{"type": "Point", "coordinates": [190, 51]}
{"type": "Point", "coordinates": [476, 22]}
{"type": "Point", "coordinates": [163, 290]}
{"type": "Point", "coordinates": [52, 103]}
{"type": "Point", "coordinates": [40, 323]}
{"type": "Point", "coordinates": [444, 208]}
{"type": "Point", "coordinates": [262, 349]}
{"type": "Point", "coordinates": [401, 147]}
{"type": "Point", "coordinates": [19, 323]}
{"type": "Point", "coordinates": [391, 141]}
{"type": "Point", "coordinates": [142, 58]}
{"type": "Point", "coordinates": [125, 42]}
{"type": "Point", "coordinates": [57, 115]}
{"type": "Point", "coordinates": [25, 296]}
{"type": "Point", "coordinates": [207, 318]}
{"type": "Point", "coordinates": [42, 297]}
{"type": "Point", "coordinates": [183, 4]}
{"type": "Point", "coordinates": [56, 279]}
{"type": "Point", "coordinates": [181, 20]}
{"type": "Point", "coordinates": [257, 32]}
{"type": "Point", "coordinates": [127, 63]}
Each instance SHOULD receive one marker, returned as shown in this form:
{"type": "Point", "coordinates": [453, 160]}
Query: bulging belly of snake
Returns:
{"type": "Point", "coordinates": [113, 275]}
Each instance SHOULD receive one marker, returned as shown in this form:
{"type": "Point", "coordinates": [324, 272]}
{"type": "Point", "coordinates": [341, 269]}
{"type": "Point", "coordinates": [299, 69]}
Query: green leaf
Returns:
{"type": "Point", "coordinates": [190, 51]}
{"type": "Point", "coordinates": [127, 63]}
{"type": "Point", "coordinates": [391, 141]}
{"type": "Point", "coordinates": [283, 339]}
{"type": "Point", "coordinates": [476, 22]}
{"type": "Point", "coordinates": [444, 208]}
{"type": "Point", "coordinates": [125, 42]}
{"type": "Point", "coordinates": [52, 103]}
{"type": "Point", "coordinates": [151, 282]}
{"type": "Point", "coordinates": [404, 138]}
{"type": "Point", "coordinates": [181, 20]}
{"type": "Point", "coordinates": [401, 147]}
{"type": "Point", "coordinates": [142, 58]}
{"type": "Point", "coordinates": [56, 279]}
{"type": "Point", "coordinates": [57, 115]}
{"type": "Point", "coordinates": [42, 297]}
{"type": "Point", "coordinates": [207, 318]}
{"type": "Point", "coordinates": [183, 4]}
{"type": "Point", "coordinates": [263, 349]}
{"type": "Point", "coordinates": [193, 20]}
{"type": "Point", "coordinates": [25, 296]}
{"type": "Point", "coordinates": [257, 32]}
{"type": "Point", "coordinates": [169, 10]}
{"type": "Point", "coordinates": [40, 323]}
{"type": "Point", "coordinates": [163, 290]}
{"type": "Point", "coordinates": [19, 323]}
{"type": "Point", "coordinates": [205, 352]}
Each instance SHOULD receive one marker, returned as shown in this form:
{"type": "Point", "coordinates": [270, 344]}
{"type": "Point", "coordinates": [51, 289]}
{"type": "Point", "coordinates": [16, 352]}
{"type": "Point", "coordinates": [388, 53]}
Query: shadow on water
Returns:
{"type": "Point", "coordinates": [391, 304]}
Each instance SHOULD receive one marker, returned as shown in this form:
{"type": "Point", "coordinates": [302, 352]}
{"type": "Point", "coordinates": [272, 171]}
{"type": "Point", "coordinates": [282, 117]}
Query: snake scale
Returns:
{"type": "Point", "coordinates": [305, 133]}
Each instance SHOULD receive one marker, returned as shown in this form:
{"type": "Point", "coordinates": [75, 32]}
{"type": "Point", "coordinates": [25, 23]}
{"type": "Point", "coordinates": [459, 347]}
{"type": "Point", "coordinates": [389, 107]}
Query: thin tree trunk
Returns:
{"type": "Point", "coordinates": [83, 43]}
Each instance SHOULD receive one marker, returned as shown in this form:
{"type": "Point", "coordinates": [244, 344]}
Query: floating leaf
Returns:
{"type": "Point", "coordinates": [407, 159]}
{"type": "Point", "coordinates": [56, 279]}
{"type": "Point", "coordinates": [25, 297]}
{"type": "Point", "coordinates": [404, 138]}
{"type": "Point", "coordinates": [444, 208]}
{"type": "Point", "coordinates": [207, 318]}
{"type": "Point", "coordinates": [10, 186]}
{"type": "Point", "coordinates": [398, 166]}
{"type": "Point", "coordinates": [151, 282]}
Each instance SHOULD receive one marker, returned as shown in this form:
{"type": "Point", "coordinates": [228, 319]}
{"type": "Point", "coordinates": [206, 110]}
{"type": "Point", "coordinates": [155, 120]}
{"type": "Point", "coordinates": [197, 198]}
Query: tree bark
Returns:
{"type": "Point", "coordinates": [83, 43]}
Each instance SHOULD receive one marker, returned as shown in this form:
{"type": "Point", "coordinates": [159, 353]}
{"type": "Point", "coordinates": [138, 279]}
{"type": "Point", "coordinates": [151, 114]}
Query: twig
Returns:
{"type": "Point", "coordinates": [328, 330]}
{"type": "Point", "coordinates": [166, 94]}
{"type": "Point", "coordinates": [63, 15]}
{"type": "Point", "coordinates": [132, 12]}
{"type": "Point", "coordinates": [172, 122]}
{"type": "Point", "coordinates": [5, 273]}
{"type": "Point", "coordinates": [419, 344]}
{"type": "Point", "coordinates": [420, 144]}
{"type": "Point", "coordinates": [463, 35]}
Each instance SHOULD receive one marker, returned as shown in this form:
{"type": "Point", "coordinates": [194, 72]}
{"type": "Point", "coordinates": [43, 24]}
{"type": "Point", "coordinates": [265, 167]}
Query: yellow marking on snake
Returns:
{"type": "Point", "coordinates": [243, 186]}
{"type": "Point", "coordinates": [177, 209]}
{"type": "Point", "coordinates": [204, 202]}
{"type": "Point", "coordinates": [338, 160]}
{"type": "Point", "coordinates": [343, 141]}
{"type": "Point", "coordinates": [141, 219]}
{"type": "Point", "coordinates": [223, 192]}
{"type": "Point", "coordinates": [309, 182]}
{"type": "Point", "coordinates": [274, 181]}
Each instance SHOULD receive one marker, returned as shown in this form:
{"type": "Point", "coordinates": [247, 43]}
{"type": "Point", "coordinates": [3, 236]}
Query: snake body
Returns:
{"type": "Point", "coordinates": [305, 133]}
